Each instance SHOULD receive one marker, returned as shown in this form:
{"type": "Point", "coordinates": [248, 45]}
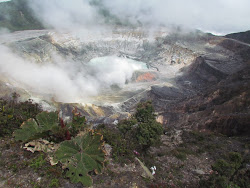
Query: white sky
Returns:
{"type": "Point", "coordinates": [216, 16]}
{"type": "Point", "coordinates": [4, 0]}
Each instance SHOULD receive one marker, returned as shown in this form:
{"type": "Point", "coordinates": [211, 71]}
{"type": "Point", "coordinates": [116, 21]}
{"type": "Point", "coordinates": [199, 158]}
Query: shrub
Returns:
{"type": "Point", "coordinates": [148, 134]}
{"type": "Point", "coordinates": [148, 131]}
{"type": "Point", "coordinates": [235, 159]}
{"type": "Point", "coordinates": [137, 133]}
{"type": "Point", "coordinates": [228, 173]}
{"type": "Point", "coordinates": [223, 168]}
{"type": "Point", "coordinates": [122, 148]}
{"type": "Point", "coordinates": [13, 114]}
{"type": "Point", "coordinates": [145, 112]}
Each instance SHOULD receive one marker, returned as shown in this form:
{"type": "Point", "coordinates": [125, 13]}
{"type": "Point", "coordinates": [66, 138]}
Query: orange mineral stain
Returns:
{"type": "Point", "coordinates": [147, 77]}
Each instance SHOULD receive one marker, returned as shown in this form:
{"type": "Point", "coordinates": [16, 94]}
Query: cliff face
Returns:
{"type": "Point", "coordinates": [242, 36]}
{"type": "Point", "coordinates": [220, 101]}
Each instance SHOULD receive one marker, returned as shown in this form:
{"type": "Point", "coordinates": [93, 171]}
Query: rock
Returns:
{"type": "Point", "coordinates": [198, 172]}
{"type": "Point", "coordinates": [242, 36]}
{"type": "Point", "coordinates": [160, 119]}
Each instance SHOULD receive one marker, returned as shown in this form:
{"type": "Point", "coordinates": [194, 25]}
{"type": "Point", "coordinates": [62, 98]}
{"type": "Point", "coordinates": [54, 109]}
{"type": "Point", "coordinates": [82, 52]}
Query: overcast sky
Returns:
{"type": "Point", "coordinates": [217, 16]}
{"type": "Point", "coordinates": [221, 16]}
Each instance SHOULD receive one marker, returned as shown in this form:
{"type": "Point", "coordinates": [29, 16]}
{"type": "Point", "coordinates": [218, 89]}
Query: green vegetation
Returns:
{"type": "Point", "coordinates": [13, 114]}
{"type": "Point", "coordinates": [78, 123]}
{"type": "Point", "coordinates": [50, 126]}
{"type": "Point", "coordinates": [38, 127]}
{"type": "Point", "coordinates": [38, 162]}
{"type": "Point", "coordinates": [228, 172]}
{"type": "Point", "coordinates": [182, 152]}
{"type": "Point", "coordinates": [135, 135]}
{"type": "Point", "coordinates": [35, 185]}
{"type": "Point", "coordinates": [79, 151]}
{"type": "Point", "coordinates": [122, 149]}
{"type": "Point", "coordinates": [148, 131]}
{"type": "Point", "coordinates": [54, 183]}
{"type": "Point", "coordinates": [201, 142]}
{"type": "Point", "coordinates": [82, 155]}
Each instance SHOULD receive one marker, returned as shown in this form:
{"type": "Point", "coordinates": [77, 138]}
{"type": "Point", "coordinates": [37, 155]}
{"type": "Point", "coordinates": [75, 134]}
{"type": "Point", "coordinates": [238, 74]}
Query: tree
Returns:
{"type": "Point", "coordinates": [148, 130]}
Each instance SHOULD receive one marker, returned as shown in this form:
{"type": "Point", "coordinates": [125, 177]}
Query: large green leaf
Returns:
{"type": "Point", "coordinates": [82, 155]}
{"type": "Point", "coordinates": [36, 128]}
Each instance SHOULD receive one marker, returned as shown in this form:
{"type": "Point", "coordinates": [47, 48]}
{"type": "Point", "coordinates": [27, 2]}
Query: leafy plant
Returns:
{"type": "Point", "coordinates": [78, 123]}
{"type": "Point", "coordinates": [82, 155]}
{"type": "Point", "coordinates": [13, 113]}
{"type": "Point", "coordinates": [38, 127]}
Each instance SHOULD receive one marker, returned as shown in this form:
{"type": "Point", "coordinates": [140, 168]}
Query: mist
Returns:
{"type": "Point", "coordinates": [69, 81]}
{"type": "Point", "coordinates": [70, 16]}
{"type": "Point", "coordinates": [66, 80]}
{"type": "Point", "coordinates": [216, 16]}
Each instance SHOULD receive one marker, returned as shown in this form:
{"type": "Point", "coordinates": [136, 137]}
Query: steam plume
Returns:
{"type": "Point", "coordinates": [65, 80]}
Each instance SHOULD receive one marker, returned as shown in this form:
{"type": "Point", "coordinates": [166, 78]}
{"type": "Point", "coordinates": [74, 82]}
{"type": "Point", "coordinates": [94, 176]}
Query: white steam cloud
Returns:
{"type": "Point", "coordinates": [66, 15]}
{"type": "Point", "coordinates": [67, 81]}
{"type": "Point", "coordinates": [70, 81]}
{"type": "Point", "coordinates": [218, 16]}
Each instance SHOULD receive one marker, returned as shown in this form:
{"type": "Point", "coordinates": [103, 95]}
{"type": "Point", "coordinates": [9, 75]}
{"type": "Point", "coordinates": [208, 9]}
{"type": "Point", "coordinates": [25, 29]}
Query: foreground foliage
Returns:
{"type": "Point", "coordinates": [13, 114]}
{"type": "Point", "coordinates": [80, 151]}
{"type": "Point", "coordinates": [38, 127]}
{"type": "Point", "coordinates": [230, 171]}
{"type": "Point", "coordinates": [82, 155]}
